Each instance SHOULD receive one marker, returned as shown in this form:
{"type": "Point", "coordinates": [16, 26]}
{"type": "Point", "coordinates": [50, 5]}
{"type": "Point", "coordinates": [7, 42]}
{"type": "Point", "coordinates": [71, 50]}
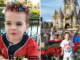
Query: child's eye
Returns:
{"type": "Point", "coordinates": [8, 23]}
{"type": "Point", "coordinates": [19, 24]}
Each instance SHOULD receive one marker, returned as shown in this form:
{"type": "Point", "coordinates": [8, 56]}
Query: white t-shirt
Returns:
{"type": "Point", "coordinates": [67, 46]}
{"type": "Point", "coordinates": [51, 36]}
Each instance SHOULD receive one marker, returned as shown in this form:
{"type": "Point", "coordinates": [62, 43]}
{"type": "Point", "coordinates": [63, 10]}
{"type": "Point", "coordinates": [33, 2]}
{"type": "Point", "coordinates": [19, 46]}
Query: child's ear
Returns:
{"type": "Point", "coordinates": [27, 25]}
{"type": "Point", "coordinates": [4, 22]}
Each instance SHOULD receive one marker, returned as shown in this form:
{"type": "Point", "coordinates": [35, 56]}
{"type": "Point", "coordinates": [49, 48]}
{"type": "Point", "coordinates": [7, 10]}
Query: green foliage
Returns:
{"type": "Point", "coordinates": [17, 2]}
{"type": "Point", "coordinates": [34, 15]}
{"type": "Point", "coordinates": [2, 5]}
{"type": "Point", "coordinates": [1, 14]}
{"type": "Point", "coordinates": [1, 23]}
{"type": "Point", "coordinates": [1, 2]}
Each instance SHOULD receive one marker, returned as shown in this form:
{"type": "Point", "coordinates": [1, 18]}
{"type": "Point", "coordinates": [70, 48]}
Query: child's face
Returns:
{"type": "Point", "coordinates": [67, 36]}
{"type": "Point", "coordinates": [15, 24]}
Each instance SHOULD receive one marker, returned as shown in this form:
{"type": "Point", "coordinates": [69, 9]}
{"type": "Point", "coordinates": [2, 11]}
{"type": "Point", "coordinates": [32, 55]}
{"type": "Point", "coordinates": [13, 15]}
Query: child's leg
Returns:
{"type": "Point", "coordinates": [71, 58]}
{"type": "Point", "coordinates": [64, 58]}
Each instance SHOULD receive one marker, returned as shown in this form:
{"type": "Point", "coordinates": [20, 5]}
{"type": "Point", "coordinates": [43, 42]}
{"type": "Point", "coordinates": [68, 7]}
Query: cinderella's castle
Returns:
{"type": "Point", "coordinates": [69, 18]}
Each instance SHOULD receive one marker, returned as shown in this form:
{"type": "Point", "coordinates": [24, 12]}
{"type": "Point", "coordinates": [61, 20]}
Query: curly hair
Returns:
{"type": "Point", "coordinates": [66, 33]}
{"type": "Point", "coordinates": [18, 7]}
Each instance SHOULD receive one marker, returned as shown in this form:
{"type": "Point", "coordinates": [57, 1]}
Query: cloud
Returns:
{"type": "Point", "coordinates": [48, 20]}
{"type": "Point", "coordinates": [35, 1]}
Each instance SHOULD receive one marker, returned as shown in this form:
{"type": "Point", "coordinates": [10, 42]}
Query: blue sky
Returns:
{"type": "Point", "coordinates": [48, 7]}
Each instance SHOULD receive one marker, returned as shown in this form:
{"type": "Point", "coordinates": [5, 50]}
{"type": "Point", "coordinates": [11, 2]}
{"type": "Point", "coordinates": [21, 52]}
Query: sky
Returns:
{"type": "Point", "coordinates": [48, 7]}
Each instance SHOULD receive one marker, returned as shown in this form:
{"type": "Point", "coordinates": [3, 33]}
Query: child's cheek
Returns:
{"type": "Point", "coordinates": [67, 38]}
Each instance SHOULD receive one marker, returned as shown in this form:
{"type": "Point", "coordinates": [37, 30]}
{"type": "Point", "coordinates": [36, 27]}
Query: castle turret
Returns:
{"type": "Point", "coordinates": [64, 2]}
{"type": "Point", "coordinates": [54, 18]}
{"type": "Point", "coordinates": [60, 16]}
{"type": "Point", "coordinates": [77, 6]}
{"type": "Point", "coordinates": [55, 15]}
{"type": "Point", "coordinates": [74, 19]}
{"type": "Point", "coordinates": [72, 5]}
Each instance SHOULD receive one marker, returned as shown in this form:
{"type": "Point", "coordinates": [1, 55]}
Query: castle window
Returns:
{"type": "Point", "coordinates": [67, 18]}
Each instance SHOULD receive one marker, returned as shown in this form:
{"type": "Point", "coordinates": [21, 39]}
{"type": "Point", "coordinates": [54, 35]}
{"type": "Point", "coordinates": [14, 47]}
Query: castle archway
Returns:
{"type": "Point", "coordinates": [67, 26]}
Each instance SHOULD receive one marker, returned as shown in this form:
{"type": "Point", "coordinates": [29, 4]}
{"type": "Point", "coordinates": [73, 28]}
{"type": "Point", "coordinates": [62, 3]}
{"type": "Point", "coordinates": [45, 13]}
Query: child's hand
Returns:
{"type": "Point", "coordinates": [61, 53]}
{"type": "Point", "coordinates": [2, 58]}
{"type": "Point", "coordinates": [24, 59]}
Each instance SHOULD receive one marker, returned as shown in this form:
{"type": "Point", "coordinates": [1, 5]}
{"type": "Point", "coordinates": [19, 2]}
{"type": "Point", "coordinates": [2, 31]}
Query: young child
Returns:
{"type": "Point", "coordinates": [67, 46]}
{"type": "Point", "coordinates": [14, 43]}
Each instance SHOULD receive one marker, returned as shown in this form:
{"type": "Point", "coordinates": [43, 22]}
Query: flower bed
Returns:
{"type": "Point", "coordinates": [53, 52]}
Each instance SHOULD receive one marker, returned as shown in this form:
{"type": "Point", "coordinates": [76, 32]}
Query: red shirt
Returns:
{"type": "Point", "coordinates": [26, 47]}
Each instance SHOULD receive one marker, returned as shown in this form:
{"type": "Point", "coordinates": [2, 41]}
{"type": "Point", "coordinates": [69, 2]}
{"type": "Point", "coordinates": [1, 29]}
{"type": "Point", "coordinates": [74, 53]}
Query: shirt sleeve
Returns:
{"type": "Point", "coordinates": [1, 47]}
{"type": "Point", "coordinates": [72, 44]}
{"type": "Point", "coordinates": [62, 44]}
{"type": "Point", "coordinates": [78, 39]}
{"type": "Point", "coordinates": [32, 50]}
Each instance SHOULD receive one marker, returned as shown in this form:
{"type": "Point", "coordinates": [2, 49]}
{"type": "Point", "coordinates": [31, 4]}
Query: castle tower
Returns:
{"type": "Point", "coordinates": [54, 18]}
{"type": "Point", "coordinates": [69, 8]}
{"type": "Point", "coordinates": [68, 18]}
{"type": "Point", "coordinates": [74, 6]}
{"type": "Point", "coordinates": [74, 19]}
{"type": "Point", "coordinates": [60, 16]}
{"type": "Point", "coordinates": [64, 2]}
{"type": "Point", "coordinates": [77, 6]}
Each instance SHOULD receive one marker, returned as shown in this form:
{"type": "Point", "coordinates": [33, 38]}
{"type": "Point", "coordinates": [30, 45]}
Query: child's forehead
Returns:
{"type": "Point", "coordinates": [15, 16]}
{"type": "Point", "coordinates": [66, 34]}
{"type": "Point", "coordinates": [14, 12]}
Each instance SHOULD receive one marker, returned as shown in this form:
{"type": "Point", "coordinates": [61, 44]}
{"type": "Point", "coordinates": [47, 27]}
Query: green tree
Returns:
{"type": "Point", "coordinates": [1, 2]}
{"type": "Point", "coordinates": [34, 15]}
{"type": "Point", "coordinates": [1, 14]}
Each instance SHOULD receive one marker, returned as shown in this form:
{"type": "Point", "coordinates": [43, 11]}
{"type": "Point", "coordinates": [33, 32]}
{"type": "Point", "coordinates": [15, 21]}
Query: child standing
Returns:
{"type": "Point", "coordinates": [67, 46]}
{"type": "Point", "coordinates": [14, 43]}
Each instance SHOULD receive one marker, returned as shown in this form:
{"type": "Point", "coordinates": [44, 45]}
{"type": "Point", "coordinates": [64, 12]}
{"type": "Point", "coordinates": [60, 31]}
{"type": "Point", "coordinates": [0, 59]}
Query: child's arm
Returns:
{"type": "Point", "coordinates": [62, 51]}
{"type": "Point", "coordinates": [62, 47]}
{"type": "Point", "coordinates": [32, 50]}
{"type": "Point", "coordinates": [1, 55]}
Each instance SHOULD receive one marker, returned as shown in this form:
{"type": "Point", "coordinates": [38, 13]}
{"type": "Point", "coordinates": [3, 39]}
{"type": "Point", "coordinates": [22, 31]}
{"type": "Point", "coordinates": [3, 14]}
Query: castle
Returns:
{"type": "Point", "coordinates": [69, 18]}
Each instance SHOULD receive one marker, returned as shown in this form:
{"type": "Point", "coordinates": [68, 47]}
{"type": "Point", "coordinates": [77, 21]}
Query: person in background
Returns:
{"type": "Point", "coordinates": [60, 37]}
{"type": "Point", "coordinates": [76, 38]}
{"type": "Point", "coordinates": [67, 47]}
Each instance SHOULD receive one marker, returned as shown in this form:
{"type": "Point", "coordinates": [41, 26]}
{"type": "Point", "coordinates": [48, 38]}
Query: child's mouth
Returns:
{"type": "Point", "coordinates": [13, 33]}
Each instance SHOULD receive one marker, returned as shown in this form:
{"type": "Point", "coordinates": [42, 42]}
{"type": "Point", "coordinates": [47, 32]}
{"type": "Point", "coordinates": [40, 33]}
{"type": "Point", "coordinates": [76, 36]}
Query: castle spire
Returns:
{"type": "Point", "coordinates": [60, 11]}
{"type": "Point", "coordinates": [60, 14]}
{"type": "Point", "coordinates": [55, 12]}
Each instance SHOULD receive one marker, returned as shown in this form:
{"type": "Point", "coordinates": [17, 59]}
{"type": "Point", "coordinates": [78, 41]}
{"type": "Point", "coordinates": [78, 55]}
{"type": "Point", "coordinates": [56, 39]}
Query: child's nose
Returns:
{"type": "Point", "coordinates": [13, 27]}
